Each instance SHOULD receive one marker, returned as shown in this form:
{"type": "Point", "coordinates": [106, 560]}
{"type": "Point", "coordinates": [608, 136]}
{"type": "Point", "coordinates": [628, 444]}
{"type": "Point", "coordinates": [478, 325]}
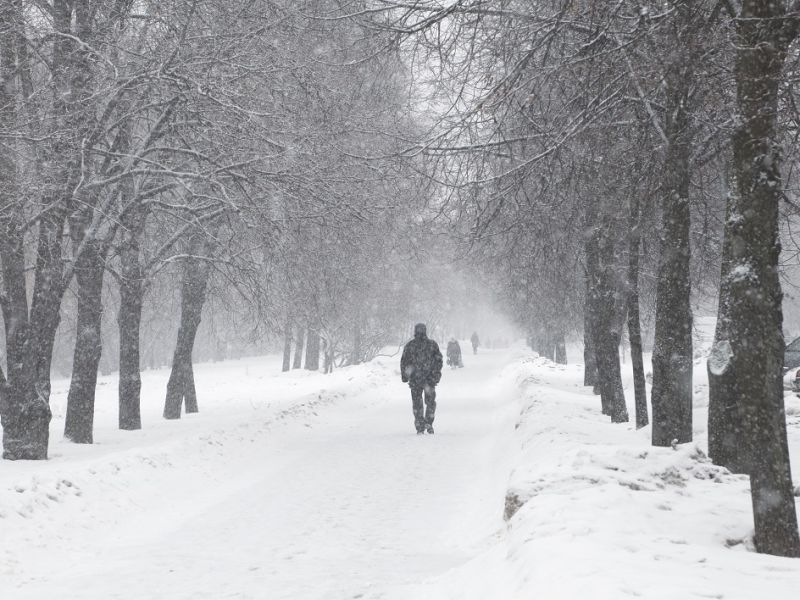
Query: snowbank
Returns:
{"type": "Point", "coordinates": [593, 511]}
{"type": "Point", "coordinates": [55, 513]}
{"type": "Point", "coordinates": [301, 485]}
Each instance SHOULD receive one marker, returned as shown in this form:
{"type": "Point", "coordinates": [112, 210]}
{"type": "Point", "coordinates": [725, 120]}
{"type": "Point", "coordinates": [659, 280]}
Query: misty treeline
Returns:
{"type": "Point", "coordinates": [602, 164]}
{"type": "Point", "coordinates": [618, 162]}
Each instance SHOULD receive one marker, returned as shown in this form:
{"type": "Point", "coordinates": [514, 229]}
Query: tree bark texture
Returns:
{"type": "Point", "coordinates": [89, 266]}
{"type": "Point", "coordinates": [605, 322]}
{"type": "Point", "coordinates": [672, 344]}
{"type": "Point", "coordinates": [755, 335]}
{"type": "Point", "coordinates": [634, 322]}
{"type": "Point", "coordinates": [89, 271]}
{"type": "Point", "coordinates": [25, 426]}
{"type": "Point", "coordinates": [89, 249]}
{"type": "Point", "coordinates": [24, 414]}
{"type": "Point", "coordinates": [589, 361]}
{"type": "Point", "coordinates": [180, 387]}
{"type": "Point", "coordinates": [129, 319]}
{"type": "Point", "coordinates": [725, 427]}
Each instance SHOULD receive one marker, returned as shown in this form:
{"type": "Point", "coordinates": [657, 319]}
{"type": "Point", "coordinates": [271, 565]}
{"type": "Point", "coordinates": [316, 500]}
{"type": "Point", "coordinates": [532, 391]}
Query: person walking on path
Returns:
{"type": "Point", "coordinates": [421, 368]}
{"type": "Point", "coordinates": [454, 353]}
{"type": "Point", "coordinates": [475, 342]}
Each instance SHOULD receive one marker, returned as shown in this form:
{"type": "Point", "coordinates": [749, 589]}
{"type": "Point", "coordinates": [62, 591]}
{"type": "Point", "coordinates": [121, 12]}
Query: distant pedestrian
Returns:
{"type": "Point", "coordinates": [421, 368]}
{"type": "Point", "coordinates": [454, 354]}
{"type": "Point", "coordinates": [475, 342]}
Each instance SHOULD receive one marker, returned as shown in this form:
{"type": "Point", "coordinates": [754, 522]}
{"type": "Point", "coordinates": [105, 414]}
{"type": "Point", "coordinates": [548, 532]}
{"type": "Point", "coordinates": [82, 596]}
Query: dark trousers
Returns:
{"type": "Point", "coordinates": [420, 419]}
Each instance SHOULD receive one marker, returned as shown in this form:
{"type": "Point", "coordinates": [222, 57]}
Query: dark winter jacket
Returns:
{"type": "Point", "coordinates": [421, 363]}
{"type": "Point", "coordinates": [453, 352]}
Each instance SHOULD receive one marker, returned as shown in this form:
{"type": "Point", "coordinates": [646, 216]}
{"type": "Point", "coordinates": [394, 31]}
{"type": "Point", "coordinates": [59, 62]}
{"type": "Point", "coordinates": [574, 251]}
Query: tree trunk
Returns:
{"type": "Point", "coordinates": [298, 350]}
{"type": "Point", "coordinates": [189, 390]}
{"type": "Point", "coordinates": [312, 350]}
{"type": "Point", "coordinates": [605, 323]}
{"type": "Point", "coordinates": [287, 347]}
{"type": "Point", "coordinates": [129, 319]}
{"type": "Point", "coordinates": [357, 343]}
{"type": "Point", "coordinates": [544, 342]}
{"type": "Point", "coordinates": [26, 422]}
{"type": "Point", "coordinates": [634, 323]}
{"type": "Point", "coordinates": [561, 349]}
{"type": "Point", "coordinates": [180, 387]}
{"type": "Point", "coordinates": [755, 336]}
{"type": "Point", "coordinates": [25, 414]}
{"type": "Point", "coordinates": [672, 346]}
{"type": "Point", "coordinates": [724, 423]}
{"type": "Point", "coordinates": [130, 378]}
{"type": "Point", "coordinates": [89, 271]}
{"type": "Point", "coordinates": [327, 354]}
{"type": "Point", "coordinates": [30, 340]}
{"type": "Point", "coordinates": [589, 361]}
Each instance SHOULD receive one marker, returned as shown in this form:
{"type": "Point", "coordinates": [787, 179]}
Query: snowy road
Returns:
{"type": "Point", "coordinates": [333, 500]}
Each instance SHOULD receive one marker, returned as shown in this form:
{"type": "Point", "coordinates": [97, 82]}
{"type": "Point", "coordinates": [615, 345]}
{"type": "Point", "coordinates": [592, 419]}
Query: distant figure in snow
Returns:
{"type": "Point", "coordinates": [421, 368]}
{"type": "Point", "coordinates": [454, 353]}
{"type": "Point", "coordinates": [475, 342]}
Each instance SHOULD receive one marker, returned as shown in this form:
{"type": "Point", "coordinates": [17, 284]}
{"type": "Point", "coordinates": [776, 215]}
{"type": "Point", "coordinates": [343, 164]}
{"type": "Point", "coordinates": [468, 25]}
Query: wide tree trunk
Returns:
{"type": "Point", "coordinates": [89, 271]}
{"type": "Point", "coordinates": [672, 345]}
{"type": "Point", "coordinates": [25, 414]}
{"type": "Point", "coordinates": [180, 387]}
{"type": "Point", "coordinates": [29, 346]}
{"type": "Point", "coordinates": [312, 350]}
{"type": "Point", "coordinates": [25, 410]}
{"type": "Point", "coordinates": [129, 319]}
{"type": "Point", "coordinates": [755, 335]}
{"type": "Point", "coordinates": [634, 322]}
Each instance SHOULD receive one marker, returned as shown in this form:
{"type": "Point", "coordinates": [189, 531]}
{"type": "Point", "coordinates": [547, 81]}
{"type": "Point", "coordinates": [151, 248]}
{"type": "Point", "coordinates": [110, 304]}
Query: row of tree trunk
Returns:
{"type": "Point", "coordinates": [746, 418]}
{"type": "Point", "coordinates": [308, 339]}
{"type": "Point", "coordinates": [316, 347]}
{"type": "Point", "coordinates": [549, 343]}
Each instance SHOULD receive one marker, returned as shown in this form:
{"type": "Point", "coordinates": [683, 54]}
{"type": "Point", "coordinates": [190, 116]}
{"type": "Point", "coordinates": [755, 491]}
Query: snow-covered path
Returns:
{"type": "Point", "coordinates": [338, 499]}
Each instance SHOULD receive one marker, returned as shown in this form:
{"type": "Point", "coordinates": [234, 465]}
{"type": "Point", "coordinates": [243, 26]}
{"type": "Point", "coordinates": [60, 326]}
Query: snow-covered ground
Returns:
{"type": "Point", "coordinates": [307, 486]}
{"type": "Point", "coordinates": [292, 485]}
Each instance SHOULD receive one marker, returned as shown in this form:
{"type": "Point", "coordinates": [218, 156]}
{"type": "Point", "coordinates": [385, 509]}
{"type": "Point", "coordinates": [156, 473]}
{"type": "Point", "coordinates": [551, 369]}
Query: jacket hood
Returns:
{"type": "Point", "coordinates": [420, 331]}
